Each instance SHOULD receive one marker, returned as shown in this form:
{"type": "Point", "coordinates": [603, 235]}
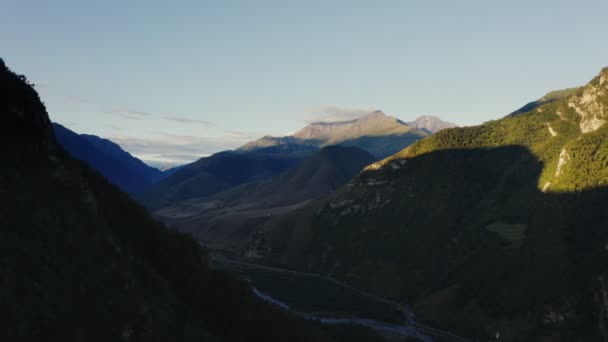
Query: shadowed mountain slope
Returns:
{"type": "Point", "coordinates": [218, 172]}
{"type": "Point", "coordinates": [376, 133]}
{"type": "Point", "coordinates": [498, 228]}
{"type": "Point", "coordinates": [226, 219]}
{"type": "Point", "coordinates": [118, 166]}
{"type": "Point", "coordinates": [82, 262]}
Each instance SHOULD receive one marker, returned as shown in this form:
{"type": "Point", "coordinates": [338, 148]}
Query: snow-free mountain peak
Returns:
{"type": "Point", "coordinates": [377, 133]}
{"type": "Point", "coordinates": [431, 124]}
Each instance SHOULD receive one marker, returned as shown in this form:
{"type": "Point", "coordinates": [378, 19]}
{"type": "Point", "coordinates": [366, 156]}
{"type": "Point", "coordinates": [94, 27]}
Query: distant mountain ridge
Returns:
{"type": "Point", "coordinates": [226, 219]}
{"type": "Point", "coordinates": [431, 124]}
{"type": "Point", "coordinates": [120, 167]}
{"type": "Point", "coordinates": [171, 170]}
{"type": "Point", "coordinates": [216, 173]}
{"type": "Point", "coordinates": [376, 133]}
{"type": "Point", "coordinates": [201, 199]}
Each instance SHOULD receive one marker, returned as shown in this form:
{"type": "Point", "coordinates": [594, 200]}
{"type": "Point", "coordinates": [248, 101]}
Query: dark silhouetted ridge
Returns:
{"type": "Point", "coordinates": [118, 166]}
{"type": "Point", "coordinates": [81, 261]}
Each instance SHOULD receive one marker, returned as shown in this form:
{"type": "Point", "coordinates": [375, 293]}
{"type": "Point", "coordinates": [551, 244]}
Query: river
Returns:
{"type": "Point", "coordinates": [409, 327]}
{"type": "Point", "coordinates": [408, 330]}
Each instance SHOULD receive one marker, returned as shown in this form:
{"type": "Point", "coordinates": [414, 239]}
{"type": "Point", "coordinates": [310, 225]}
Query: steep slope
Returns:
{"type": "Point", "coordinates": [376, 133]}
{"type": "Point", "coordinates": [431, 124]}
{"type": "Point", "coordinates": [552, 96]}
{"type": "Point", "coordinates": [275, 142]}
{"type": "Point", "coordinates": [232, 219]}
{"type": "Point", "coordinates": [218, 172]}
{"type": "Point", "coordinates": [118, 166]}
{"type": "Point", "coordinates": [172, 169]}
{"type": "Point", "coordinates": [499, 228]}
{"type": "Point", "coordinates": [289, 147]}
{"type": "Point", "coordinates": [110, 148]}
{"type": "Point", "coordinates": [82, 262]}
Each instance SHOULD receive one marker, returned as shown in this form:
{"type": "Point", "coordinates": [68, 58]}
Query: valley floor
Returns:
{"type": "Point", "coordinates": [332, 302]}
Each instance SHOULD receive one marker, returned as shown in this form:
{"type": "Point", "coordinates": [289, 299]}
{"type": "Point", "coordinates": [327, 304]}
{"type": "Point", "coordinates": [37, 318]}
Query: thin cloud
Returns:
{"type": "Point", "coordinates": [241, 135]}
{"type": "Point", "coordinates": [138, 114]}
{"type": "Point", "coordinates": [335, 113]}
{"type": "Point", "coordinates": [190, 121]}
{"type": "Point", "coordinates": [176, 148]}
{"type": "Point", "coordinates": [115, 128]}
{"type": "Point", "coordinates": [128, 111]}
{"type": "Point", "coordinates": [76, 100]}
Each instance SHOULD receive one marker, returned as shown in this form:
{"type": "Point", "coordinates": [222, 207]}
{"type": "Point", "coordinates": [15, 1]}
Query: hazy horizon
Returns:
{"type": "Point", "coordinates": [175, 83]}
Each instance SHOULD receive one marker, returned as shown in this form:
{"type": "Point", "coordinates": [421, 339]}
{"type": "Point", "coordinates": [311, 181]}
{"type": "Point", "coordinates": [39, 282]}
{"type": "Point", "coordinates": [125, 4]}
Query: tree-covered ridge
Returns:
{"type": "Point", "coordinates": [546, 131]}
{"type": "Point", "coordinates": [483, 229]}
{"type": "Point", "coordinates": [551, 96]}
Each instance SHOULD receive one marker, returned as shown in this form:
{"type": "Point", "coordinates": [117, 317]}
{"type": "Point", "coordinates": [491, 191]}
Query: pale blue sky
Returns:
{"type": "Point", "coordinates": [178, 79]}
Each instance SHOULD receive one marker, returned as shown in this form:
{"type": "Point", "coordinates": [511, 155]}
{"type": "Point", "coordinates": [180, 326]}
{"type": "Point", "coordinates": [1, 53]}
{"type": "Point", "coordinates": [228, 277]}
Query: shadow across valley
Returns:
{"type": "Point", "coordinates": [467, 236]}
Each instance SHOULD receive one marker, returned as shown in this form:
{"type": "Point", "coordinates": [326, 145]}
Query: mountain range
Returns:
{"type": "Point", "coordinates": [376, 133]}
{"type": "Point", "coordinates": [118, 166]}
{"type": "Point", "coordinates": [491, 230]}
{"type": "Point", "coordinates": [222, 199]}
{"type": "Point", "coordinates": [216, 173]}
{"type": "Point", "coordinates": [226, 219]}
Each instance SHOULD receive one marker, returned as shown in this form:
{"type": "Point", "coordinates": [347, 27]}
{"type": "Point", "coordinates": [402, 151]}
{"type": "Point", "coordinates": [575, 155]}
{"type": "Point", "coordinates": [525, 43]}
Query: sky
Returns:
{"type": "Point", "coordinates": [171, 81]}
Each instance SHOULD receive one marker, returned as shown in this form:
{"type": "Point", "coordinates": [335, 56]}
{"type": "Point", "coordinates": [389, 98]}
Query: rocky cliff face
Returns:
{"type": "Point", "coordinates": [591, 103]}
